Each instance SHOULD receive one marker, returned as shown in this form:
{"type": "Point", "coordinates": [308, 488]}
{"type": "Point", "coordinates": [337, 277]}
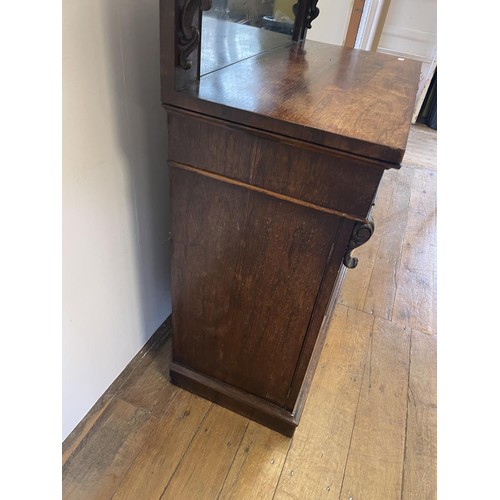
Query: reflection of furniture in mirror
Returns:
{"type": "Point", "coordinates": [237, 41]}
{"type": "Point", "coordinates": [242, 11]}
{"type": "Point", "coordinates": [275, 154]}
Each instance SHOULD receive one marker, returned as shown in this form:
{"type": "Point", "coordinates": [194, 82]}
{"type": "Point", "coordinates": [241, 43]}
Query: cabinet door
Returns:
{"type": "Point", "coordinates": [246, 270]}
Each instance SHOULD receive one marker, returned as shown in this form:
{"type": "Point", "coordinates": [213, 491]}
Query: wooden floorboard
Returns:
{"type": "Point", "coordinates": [111, 446]}
{"type": "Point", "coordinates": [382, 286]}
{"type": "Point", "coordinates": [316, 462]}
{"type": "Point", "coordinates": [164, 449]}
{"type": "Point", "coordinates": [203, 469]}
{"type": "Point", "coordinates": [368, 430]}
{"type": "Point", "coordinates": [374, 467]}
{"type": "Point", "coordinates": [257, 466]}
{"type": "Point", "coordinates": [420, 466]}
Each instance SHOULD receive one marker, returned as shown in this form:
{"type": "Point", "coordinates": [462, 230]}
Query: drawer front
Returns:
{"type": "Point", "coordinates": [329, 180]}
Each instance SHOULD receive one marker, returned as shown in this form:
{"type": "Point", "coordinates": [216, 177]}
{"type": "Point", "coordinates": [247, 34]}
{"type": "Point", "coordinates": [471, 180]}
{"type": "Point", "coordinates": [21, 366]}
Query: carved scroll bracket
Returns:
{"type": "Point", "coordinates": [305, 12]}
{"type": "Point", "coordinates": [361, 233]}
{"type": "Point", "coordinates": [312, 14]}
{"type": "Point", "coordinates": [189, 34]}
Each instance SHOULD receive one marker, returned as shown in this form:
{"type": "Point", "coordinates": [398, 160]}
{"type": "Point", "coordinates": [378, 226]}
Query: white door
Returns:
{"type": "Point", "coordinates": [408, 30]}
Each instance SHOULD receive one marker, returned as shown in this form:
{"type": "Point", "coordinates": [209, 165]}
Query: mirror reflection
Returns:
{"type": "Point", "coordinates": [273, 15]}
{"type": "Point", "coordinates": [236, 29]}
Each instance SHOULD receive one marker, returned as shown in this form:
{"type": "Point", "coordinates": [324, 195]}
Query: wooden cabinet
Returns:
{"type": "Point", "coordinates": [274, 160]}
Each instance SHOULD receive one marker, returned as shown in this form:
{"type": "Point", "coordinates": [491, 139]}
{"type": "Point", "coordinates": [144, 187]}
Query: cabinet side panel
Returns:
{"type": "Point", "coordinates": [246, 271]}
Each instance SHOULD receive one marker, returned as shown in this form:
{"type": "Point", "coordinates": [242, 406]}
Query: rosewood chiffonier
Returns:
{"type": "Point", "coordinates": [276, 147]}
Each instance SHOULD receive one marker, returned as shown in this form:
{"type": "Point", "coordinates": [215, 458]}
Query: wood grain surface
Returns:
{"type": "Point", "coordinates": [328, 179]}
{"type": "Point", "coordinates": [352, 100]}
{"type": "Point", "coordinates": [374, 467]}
{"type": "Point", "coordinates": [420, 466]}
{"type": "Point", "coordinates": [315, 464]}
{"type": "Point", "coordinates": [240, 251]}
{"type": "Point", "coordinates": [255, 470]}
{"type": "Point", "coordinates": [116, 438]}
{"type": "Point", "coordinates": [159, 457]}
{"type": "Point", "coordinates": [205, 465]}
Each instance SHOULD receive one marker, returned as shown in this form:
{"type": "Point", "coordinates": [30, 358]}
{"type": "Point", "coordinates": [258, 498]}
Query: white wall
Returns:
{"type": "Point", "coordinates": [116, 281]}
{"type": "Point", "coordinates": [331, 24]}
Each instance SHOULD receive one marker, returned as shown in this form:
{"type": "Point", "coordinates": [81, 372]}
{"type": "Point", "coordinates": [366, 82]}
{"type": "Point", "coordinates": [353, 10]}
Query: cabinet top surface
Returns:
{"type": "Point", "coordinates": [353, 100]}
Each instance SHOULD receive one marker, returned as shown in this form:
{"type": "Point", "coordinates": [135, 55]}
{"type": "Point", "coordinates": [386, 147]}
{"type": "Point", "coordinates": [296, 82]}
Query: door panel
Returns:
{"type": "Point", "coordinates": [246, 270]}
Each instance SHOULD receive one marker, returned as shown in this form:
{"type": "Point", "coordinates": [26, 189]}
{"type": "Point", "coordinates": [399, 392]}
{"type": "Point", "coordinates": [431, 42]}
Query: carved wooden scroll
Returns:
{"type": "Point", "coordinates": [305, 12]}
{"type": "Point", "coordinates": [189, 34]}
{"type": "Point", "coordinates": [361, 233]}
{"type": "Point", "coordinates": [312, 14]}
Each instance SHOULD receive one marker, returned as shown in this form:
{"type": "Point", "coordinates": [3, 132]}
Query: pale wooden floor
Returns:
{"type": "Point", "coordinates": [369, 426]}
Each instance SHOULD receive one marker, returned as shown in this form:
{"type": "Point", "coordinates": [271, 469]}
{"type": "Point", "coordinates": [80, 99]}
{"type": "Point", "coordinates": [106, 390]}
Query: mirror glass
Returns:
{"type": "Point", "coordinates": [233, 30]}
